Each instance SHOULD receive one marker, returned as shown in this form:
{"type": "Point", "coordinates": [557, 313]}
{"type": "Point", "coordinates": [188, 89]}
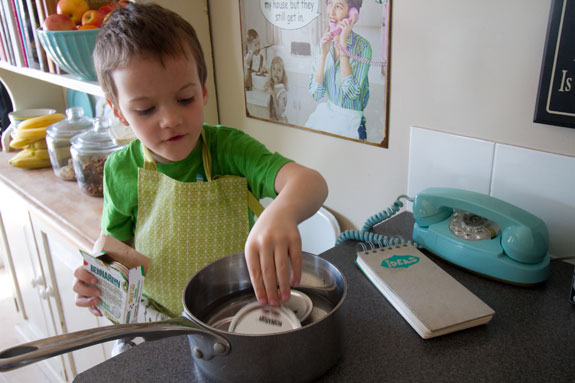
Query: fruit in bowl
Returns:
{"type": "Point", "coordinates": [58, 22]}
{"type": "Point", "coordinates": [74, 9]}
{"type": "Point", "coordinates": [107, 8]}
{"type": "Point", "coordinates": [69, 36]}
{"type": "Point", "coordinates": [93, 17]}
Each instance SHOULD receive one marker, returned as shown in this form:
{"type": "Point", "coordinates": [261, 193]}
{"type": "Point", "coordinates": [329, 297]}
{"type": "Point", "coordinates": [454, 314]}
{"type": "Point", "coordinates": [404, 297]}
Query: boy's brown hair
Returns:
{"type": "Point", "coordinates": [143, 30]}
{"type": "Point", "coordinates": [252, 35]}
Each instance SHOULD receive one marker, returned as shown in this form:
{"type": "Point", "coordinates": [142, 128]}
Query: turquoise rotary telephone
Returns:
{"type": "Point", "coordinates": [483, 234]}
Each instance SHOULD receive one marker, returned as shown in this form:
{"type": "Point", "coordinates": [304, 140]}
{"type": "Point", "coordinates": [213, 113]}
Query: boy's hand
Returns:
{"type": "Point", "coordinates": [274, 243]}
{"type": "Point", "coordinates": [273, 249]}
{"type": "Point", "coordinates": [86, 294]}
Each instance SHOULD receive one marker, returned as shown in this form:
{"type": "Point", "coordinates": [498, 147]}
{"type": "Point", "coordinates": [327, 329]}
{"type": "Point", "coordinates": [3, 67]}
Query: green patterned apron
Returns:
{"type": "Point", "coordinates": [183, 226]}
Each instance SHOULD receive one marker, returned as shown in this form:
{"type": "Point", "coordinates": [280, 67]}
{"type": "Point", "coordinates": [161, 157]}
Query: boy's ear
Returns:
{"type": "Point", "coordinates": [117, 112]}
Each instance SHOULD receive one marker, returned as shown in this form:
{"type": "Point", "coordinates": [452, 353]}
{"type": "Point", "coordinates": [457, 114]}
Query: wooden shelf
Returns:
{"type": "Point", "coordinates": [66, 81]}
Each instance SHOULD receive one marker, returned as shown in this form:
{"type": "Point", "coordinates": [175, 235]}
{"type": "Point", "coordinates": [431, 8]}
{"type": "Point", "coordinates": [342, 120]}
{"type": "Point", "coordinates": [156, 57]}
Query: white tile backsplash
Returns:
{"type": "Point", "coordinates": [446, 160]}
{"type": "Point", "coordinates": [544, 185]}
{"type": "Point", "coordinates": [539, 182]}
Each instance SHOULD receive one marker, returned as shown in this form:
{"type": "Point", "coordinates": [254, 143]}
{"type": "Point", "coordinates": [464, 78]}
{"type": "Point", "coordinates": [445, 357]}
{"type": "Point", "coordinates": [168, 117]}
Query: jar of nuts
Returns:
{"type": "Point", "coordinates": [89, 153]}
{"type": "Point", "coordinates": [58, 138]}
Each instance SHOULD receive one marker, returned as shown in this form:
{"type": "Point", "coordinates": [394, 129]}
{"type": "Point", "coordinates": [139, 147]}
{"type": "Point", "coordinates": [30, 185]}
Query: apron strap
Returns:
{"type": "Point", "coordinates": [150, 164]}
{"type": "Point", "coordinates": [254, 204]}
{"type": "Point", "coordinates": [206, 157]}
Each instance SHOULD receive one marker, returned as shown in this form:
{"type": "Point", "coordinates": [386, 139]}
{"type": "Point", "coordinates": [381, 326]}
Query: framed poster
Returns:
{"type": "Point", "coordinates": [319, 65]}
{"type": "Point", "coordinates": [556, 95]}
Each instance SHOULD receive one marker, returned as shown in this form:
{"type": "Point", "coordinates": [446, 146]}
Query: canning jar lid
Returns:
{"type": "Point", "coordinates": [74, 123]}
{"type": "Point", "coordinates": [96, 140]}
{"type": "Point", "coordinates": [255, 319]}
{"type": "Point", "coordinates": [300, 304]}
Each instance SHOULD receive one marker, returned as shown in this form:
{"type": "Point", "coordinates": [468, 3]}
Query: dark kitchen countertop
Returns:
{"type": "Point", "coordinates": [531, 338]}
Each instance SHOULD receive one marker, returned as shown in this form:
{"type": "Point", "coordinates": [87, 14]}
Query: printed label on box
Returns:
{"type": "Point", "coordinates": [120, 293]}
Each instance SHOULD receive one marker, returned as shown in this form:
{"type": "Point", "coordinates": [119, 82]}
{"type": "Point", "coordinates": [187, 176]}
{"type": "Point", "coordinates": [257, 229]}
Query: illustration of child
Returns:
{"type": "Point", "coordinates": [276, 86]}
{"type": "Point", "coordinates": [253, 59]}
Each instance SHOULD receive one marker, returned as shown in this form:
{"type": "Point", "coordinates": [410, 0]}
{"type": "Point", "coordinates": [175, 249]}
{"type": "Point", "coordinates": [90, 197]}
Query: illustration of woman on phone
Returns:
{"type": "Point", "coordinates": [340, 70]}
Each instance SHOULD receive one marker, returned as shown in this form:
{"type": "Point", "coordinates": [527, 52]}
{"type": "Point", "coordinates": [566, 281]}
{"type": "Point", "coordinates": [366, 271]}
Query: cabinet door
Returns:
{"type": "Point", "coordinates": [59, 256]}
{"type": "Point", "coordinates": [21, 250]}
{"type": "Point", "coordinates": [30, 281]}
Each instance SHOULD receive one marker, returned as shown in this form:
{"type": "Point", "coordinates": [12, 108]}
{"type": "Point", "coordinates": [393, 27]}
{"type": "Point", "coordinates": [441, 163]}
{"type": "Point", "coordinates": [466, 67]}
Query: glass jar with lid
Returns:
{"type": "Point", "coordinates": [89, 153]}
{"type": "Point", "coordinates": [58, 138]}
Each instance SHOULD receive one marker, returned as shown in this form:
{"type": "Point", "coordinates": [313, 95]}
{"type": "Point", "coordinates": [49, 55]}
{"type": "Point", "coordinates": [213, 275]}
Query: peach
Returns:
{"type": "Point", "coordinates": [93, 17]}
{"type": "Point", "coordinates": [57, 22]}
{"type": "Point", "coordinates": [74, 9]}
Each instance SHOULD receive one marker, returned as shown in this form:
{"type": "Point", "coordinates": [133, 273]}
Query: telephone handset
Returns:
{"type": "Point", "coordinates": [483, 234]}
{"type": "Point", "coordinates": [335, 30]}
{"type": "Point", "coordinates": [352, 16]}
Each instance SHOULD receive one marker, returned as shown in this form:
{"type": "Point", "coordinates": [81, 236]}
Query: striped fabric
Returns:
{"type": "Point", "coordinates": [351, 92]}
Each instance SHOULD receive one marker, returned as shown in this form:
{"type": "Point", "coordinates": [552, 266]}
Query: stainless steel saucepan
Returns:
{"type": "Point", "coordinates": [211, 298]}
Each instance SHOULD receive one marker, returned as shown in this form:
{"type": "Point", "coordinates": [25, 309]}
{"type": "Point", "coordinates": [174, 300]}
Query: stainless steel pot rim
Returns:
{"type": "Point", "coordinates": [216, 327]}
{"type": "Point", "coordinates": [334, 292]}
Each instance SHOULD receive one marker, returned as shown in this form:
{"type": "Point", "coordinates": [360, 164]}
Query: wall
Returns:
{"type": "Point", "coordinates": [465, 67]}
{"type": "Point", "coordinates": [197, 16]}
{"type": "Point", "coordinates": [533, 180]}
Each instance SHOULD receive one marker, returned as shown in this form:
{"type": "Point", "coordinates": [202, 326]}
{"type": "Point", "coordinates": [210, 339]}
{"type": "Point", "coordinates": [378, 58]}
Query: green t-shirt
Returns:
{"type": "Point", "coordinates": [233, 153]}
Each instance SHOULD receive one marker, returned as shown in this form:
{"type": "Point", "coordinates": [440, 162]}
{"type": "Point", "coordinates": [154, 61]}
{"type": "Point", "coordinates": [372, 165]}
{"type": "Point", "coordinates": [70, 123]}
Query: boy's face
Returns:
{"type": "Point", "coordinates": [164, 105]}
{"type": "Point", "coordinates": [255, 45]}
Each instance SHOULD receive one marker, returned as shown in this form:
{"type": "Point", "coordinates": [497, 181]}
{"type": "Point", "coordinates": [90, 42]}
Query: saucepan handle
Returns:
{"type": "Point", "coordinates": [209, 343]}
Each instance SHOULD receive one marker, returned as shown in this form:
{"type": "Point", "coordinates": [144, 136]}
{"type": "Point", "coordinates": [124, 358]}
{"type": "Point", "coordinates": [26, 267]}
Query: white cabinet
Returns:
{"type": "Point", "coordinates": [42, 260]}
{"type": "Point", "coordinates": [59, 258]}
{"type": "Point", "coordinates": [29, 279]}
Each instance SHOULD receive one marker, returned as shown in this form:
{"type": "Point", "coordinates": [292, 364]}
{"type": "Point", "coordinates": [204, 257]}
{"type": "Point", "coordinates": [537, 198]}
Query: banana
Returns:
{"type": "Point", "coordinates": [41, 121]}
{"type": "Point", "coordinates": [26, 137]}
{"type": "Point", "coordinates": [33, 130]}
{"type": "Point", "coordinates": [31, 158]}
{"type": "Point", "coordinates": [34, 134]}
{"type": "Point", "coordinates": [40, 144]}
{"type": "Point", "coordinates": [19, 144]}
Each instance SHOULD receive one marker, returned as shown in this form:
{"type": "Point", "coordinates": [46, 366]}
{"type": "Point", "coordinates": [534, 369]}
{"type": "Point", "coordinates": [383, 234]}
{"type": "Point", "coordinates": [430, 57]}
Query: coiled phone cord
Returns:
{"type": "Point", "coordinates": [364, 235]}
{"type": "Point", "coordinates": [385, 214]}
{"type": "Point", "coordinates": [345, 51]}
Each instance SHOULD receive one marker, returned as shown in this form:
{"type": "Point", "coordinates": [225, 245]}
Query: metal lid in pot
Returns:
{"type": "Point", "coordinates": [300, 304]}
{"type": "Point", "coordinates": [254, 318]}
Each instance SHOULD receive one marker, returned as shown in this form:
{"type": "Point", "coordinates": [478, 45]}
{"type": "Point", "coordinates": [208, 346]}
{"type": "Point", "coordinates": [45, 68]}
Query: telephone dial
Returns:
{"type": "Point", "coordinates": [483, 234]}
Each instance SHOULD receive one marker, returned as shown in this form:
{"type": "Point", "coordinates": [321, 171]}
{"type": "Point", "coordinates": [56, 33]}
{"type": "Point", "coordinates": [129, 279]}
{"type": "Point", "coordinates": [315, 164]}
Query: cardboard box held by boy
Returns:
{"type": "Point", "coordinates": [120, 271]}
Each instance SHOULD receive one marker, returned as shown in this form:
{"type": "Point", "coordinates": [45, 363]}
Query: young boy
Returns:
{"type": "Point", "coordinates": [158, 193]}
{"type": "Point", "coordinates": [253, 59]}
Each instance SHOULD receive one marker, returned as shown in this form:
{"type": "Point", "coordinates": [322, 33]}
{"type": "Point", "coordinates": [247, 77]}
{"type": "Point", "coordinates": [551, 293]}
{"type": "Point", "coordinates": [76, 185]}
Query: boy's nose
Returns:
{"type": "Point", "coordinates": [170, 120]}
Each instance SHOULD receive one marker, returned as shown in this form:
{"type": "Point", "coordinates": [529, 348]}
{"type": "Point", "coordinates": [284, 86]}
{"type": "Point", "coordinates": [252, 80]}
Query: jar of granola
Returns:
{"type": "Point", "coordinates": [89, 153]}
{"type": "Point", "coordinates": [58, 138]}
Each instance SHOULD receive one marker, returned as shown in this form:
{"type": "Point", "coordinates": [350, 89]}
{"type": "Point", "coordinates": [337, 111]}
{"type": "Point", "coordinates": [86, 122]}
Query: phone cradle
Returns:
{"type": "Point", "coordinates": [517, 254]}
